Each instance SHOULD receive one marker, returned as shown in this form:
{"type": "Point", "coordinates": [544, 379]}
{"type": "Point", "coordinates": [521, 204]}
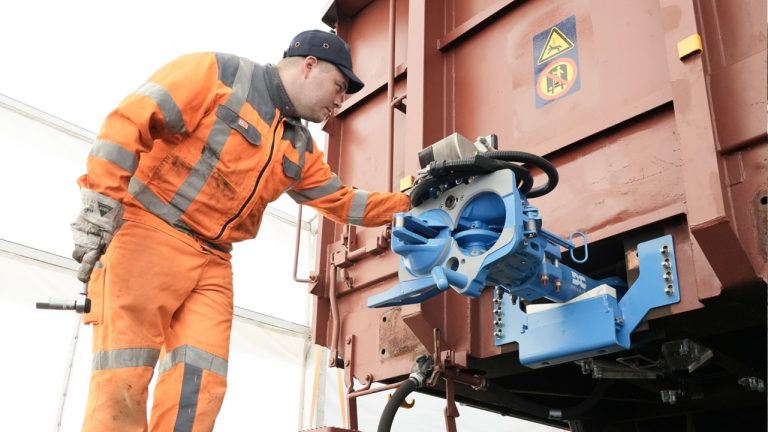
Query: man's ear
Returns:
{"type": "Point", "coordinates": [310, 62]}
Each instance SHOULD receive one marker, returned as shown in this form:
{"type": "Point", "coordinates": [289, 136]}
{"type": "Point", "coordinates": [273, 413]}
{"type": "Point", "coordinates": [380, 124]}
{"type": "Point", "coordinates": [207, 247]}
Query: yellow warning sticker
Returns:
{"type": "Point", "coordinates": [557, 43]}
{"type": "Point", "coordinates": [556, 79]}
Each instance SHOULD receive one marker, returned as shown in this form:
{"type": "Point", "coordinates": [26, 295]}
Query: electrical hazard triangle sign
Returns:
{"type": "Point", "coordinates": [557, 43]}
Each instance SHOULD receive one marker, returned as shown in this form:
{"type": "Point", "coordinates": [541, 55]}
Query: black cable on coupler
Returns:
{"type": "Point", "coordinates": [445, 173]}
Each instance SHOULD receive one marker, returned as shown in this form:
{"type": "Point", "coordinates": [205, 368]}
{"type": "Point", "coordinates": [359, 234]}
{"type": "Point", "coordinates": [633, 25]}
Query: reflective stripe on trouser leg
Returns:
{"type": "Point", "coordinates": [118, 397]}
{"type": "Point", "coordinates": [200, 374]}
{"type": "Point", "coordinates": [190, 392]}
{"type": "Point", "coordinates": [141, 289]}
{"type": "Point", "coordinates": [131, 369]}
{"type": "Point", "coordinates": [192, 372]}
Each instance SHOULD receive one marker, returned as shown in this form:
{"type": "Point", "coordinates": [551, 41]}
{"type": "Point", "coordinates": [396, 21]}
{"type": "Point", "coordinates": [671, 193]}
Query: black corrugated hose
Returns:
{"type": "Point", "coordinates": [442, 172]}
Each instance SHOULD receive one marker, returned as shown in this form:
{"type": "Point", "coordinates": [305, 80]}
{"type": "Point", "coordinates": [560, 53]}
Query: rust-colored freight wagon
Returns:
{"type": "Point", "coordinates": [653, 113]}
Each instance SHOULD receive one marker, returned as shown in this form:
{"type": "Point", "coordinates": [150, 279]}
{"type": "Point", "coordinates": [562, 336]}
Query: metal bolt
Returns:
{"type": "Point", "coordinates": [668, 277]}
{"type": "Point", "coordinates": [619, 321]}
{"type": "Point", "coordinates": [666, 264]}
{"type": "Point", "coordinates": [348, 340]}
{"type": "Point", "coordinates": [664, 250]}
{"type": "Point", "coordinates": [497, 333]}
{"type": "Point", "coordinates": [669, 289]}
{"type": "Point", "coordinates": [347, 362]}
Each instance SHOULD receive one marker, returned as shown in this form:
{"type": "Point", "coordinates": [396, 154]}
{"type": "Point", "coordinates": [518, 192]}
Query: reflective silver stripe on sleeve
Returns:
{"type": "Point", "coordinates": [357, 209]}
{"type": "Point", "coordinates": [301, 196]}
{"type": "Point", "coordinates": [116, 154]}
{"type": "Point", "coordinates": [173, 118]}
{"type": "Point", "coordinates": [215, 142]}
{"type": "Point", "coordinates": [190, 355]}
{"type": "Point", "coordinates": [123, 358]}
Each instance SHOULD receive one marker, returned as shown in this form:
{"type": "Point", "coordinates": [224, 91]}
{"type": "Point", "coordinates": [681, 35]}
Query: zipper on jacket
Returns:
{"type": "Point", "coordinates": [256, 186]}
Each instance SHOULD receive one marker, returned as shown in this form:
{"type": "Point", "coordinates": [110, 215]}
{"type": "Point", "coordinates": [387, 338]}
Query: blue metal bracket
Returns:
{"type": "Point", "coordinates": [408, 292]}
{"type": "Point", "coordinates": [595, 323]}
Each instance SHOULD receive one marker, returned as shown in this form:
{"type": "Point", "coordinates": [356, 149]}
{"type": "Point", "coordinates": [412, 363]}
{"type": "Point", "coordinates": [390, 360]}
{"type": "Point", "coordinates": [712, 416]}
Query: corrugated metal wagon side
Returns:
{"type": "Point", "coordinates": [653, 112]}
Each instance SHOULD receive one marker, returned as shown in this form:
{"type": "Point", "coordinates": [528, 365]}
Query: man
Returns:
{"type": "Point", "coordinates": [184, 167]}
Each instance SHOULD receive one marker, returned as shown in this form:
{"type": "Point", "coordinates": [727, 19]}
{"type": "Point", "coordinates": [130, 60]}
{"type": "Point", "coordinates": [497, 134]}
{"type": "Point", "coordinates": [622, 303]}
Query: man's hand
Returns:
{"type": "Point", "coordinates": [93, 229]}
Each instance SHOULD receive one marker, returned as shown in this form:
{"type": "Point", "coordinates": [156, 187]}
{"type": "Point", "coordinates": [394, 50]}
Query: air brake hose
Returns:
{"type": "Point", "coordinates": [421, 370]}
{"type": "Point", "coordinates": [538, 410]}
{"type": "Point", "coordinates": [531, 159]}
{"type": "Point", "coordinates": [388, 415]}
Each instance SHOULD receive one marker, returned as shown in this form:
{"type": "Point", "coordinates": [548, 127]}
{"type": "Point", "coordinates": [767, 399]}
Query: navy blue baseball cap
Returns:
{"type": "Point", "coordinates": [328, 47]}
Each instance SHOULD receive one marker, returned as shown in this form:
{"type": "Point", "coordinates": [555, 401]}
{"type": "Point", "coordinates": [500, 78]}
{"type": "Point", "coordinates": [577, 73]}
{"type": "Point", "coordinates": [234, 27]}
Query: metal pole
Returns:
{"type": "Point", "coordinates": [334, 346]}
{"type": "Point", "coordinates": [296, 251]}
{"type": "Point", "coordinates": [68, 374]}
{"type": "Point", "coordinates": [391, 97]}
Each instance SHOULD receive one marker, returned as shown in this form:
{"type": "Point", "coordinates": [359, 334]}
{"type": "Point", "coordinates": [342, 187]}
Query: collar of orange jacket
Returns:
{"type": "Point", "coordinates": [277, 92]}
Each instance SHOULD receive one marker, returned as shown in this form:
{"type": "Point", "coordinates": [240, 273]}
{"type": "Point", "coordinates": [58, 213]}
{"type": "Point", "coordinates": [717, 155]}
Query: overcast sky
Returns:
{"type": "Point", "coordinates": [77, 59]}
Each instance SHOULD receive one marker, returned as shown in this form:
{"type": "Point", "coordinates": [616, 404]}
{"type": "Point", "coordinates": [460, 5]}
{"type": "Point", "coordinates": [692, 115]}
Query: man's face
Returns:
{"type": "Point", "coordinates": [323, 90]}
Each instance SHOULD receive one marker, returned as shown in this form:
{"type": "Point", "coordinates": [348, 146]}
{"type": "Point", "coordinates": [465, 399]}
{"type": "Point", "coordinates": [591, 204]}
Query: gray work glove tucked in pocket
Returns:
{"type": "Point", "coordinates": [93, 229]}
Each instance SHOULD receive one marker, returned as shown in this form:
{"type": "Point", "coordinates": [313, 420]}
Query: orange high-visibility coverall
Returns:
{"type": "Point", "coordinates": [194, 154]}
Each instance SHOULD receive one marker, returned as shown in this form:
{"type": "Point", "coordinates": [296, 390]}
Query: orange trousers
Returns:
{"type": "Point", "coordinates": [158, 297]}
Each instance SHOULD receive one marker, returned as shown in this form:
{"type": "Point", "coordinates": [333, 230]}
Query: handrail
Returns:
{"type": "Point", "coordinates": [296, 251]}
